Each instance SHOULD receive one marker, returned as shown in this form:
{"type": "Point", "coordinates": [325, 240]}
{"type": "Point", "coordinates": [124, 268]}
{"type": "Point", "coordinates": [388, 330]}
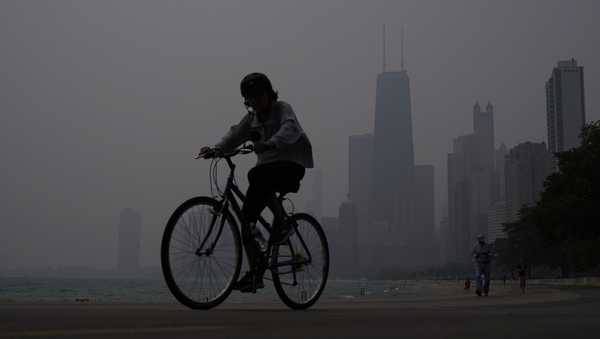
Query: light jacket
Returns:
{"type": "Point", "coordinates": [482, 254]}
{"type": "Point", "coordinates": [280, 128]}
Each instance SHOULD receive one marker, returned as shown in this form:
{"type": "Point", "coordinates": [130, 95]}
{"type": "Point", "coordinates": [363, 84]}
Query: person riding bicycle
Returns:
{"type": "Point", "coordinates": [283, 151]}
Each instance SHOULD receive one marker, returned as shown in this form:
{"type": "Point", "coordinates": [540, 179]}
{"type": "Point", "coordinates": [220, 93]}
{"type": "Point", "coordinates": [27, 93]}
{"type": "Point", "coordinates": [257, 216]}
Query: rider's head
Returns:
{"type": "Point", "coordinates": [481, 238]}
{"type": "Point", "coordinates": [258, 92]}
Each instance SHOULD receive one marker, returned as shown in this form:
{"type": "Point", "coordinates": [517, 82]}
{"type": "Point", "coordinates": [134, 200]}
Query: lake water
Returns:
{"type": "Point", "coordinates": [115, 290]}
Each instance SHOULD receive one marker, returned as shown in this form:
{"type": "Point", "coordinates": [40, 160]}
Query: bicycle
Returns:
{"type": "Point", "coordinates": [203, 234]}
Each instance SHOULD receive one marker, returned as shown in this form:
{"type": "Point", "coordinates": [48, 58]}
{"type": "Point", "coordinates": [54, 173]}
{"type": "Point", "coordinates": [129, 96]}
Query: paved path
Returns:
{"type": "Point", "coordinates": [542, 313]}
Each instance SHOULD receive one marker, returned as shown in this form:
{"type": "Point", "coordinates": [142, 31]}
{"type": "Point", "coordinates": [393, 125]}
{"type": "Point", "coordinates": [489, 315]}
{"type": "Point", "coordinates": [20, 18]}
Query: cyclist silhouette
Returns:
{"type": "Point", "coordinates": [283, 151]}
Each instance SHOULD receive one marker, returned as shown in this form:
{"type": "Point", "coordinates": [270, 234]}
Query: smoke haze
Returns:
{"type": "Point", "coordinates": [104, 104]}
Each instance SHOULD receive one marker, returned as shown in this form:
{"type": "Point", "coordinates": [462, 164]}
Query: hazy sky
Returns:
{"type": "Point", "coordinates": [104, 104]}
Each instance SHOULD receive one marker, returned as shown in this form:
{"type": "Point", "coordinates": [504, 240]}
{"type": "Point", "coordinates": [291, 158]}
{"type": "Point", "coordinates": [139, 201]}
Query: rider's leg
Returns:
{"type": "Point", "coordinates": [275, 206]}
{"type": "Point", "coordinates": [486, 283]}
{"type": "Point", "coordinates": [478, 280]}
{"type": "Point", "coordinates": [281, 229]}
{"type": "Point", "coordinates": [252, 280]}
{"type": "Point", "coordinates": [260, 190]}
{"type": "Point", "coordinates": [286, 178]}
{"type": "Point", "coordinates": [264, 180]}
{"type": "Point", "coordinates": [256, 200]}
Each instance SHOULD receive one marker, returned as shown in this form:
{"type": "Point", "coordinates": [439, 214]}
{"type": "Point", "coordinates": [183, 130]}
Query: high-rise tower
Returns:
{"type": "Point", "coordinates": [483, 127]}
{"type": "Point", "coordinates": [565, 106]}
{"type": "Point", "coordinates": [393, 150]}
{"type": "Point", "coordinates": [471, 183]}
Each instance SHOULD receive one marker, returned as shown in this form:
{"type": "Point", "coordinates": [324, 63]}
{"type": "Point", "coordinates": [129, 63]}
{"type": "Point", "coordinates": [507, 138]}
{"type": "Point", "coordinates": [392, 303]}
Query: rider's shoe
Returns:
{"type": "Point", "coordinates": [281, 232]}
{"type": "Point", "coordinates": [250, 282]}
{"type": "Point", "coordinates": [478, 292]}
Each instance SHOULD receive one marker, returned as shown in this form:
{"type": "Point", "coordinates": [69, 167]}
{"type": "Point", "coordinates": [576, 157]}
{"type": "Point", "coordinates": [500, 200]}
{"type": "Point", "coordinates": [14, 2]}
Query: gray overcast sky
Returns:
{"type": "Point", "coordinates": [103, 104]}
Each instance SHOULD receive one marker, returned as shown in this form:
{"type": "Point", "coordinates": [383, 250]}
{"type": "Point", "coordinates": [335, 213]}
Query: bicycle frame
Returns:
{"type": "Point", "coordinates": [228, 201]}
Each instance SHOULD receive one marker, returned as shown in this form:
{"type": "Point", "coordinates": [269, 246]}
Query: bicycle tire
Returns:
{"type": "Point", "coordinates": [173, 283]}
{"type": "Point", "coordinates": [283, 280]}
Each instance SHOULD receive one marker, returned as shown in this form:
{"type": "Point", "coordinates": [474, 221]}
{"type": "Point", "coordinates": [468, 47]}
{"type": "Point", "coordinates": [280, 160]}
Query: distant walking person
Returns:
{"type": "Point", "coordinates": [522, 272]}
{"type": "Point", "coordinates": [482, 258]}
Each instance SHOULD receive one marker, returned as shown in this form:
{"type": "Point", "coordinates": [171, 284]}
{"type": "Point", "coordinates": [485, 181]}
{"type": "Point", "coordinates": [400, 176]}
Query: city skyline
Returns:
{"type": "Point", "coordinates": [106, 104]}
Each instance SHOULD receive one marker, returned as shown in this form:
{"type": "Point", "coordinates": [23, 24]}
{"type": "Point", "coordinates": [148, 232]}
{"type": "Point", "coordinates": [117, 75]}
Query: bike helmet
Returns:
{"type": "Point", "coordinates": [255, 84]}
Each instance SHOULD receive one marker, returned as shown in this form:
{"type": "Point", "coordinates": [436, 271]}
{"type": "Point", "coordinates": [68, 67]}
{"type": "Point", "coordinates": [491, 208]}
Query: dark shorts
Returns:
{"type": "Point", "coordinates": [282, 177]}
{"type": "Point", "coordinates": [266, 180]}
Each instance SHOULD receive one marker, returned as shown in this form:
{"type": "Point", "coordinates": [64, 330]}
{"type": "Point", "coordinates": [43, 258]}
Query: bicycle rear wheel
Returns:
{"type": "Point", "coordinates": [301, 265]}
{"type": "Point", "coordinates": [199, 275]}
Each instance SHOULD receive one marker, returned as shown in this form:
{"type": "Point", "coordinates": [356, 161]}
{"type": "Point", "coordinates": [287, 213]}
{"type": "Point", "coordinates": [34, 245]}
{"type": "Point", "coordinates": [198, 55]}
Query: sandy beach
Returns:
{"type": "Point", "coordinates": [548, 312]}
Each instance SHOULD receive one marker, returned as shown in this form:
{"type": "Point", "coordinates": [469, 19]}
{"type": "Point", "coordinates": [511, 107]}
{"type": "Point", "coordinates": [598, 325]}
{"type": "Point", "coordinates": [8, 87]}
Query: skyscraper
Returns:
{"type": "Point", "coordinates": [496, 219]}
{"type": "Point", "coordinates": [499, 180]}
{"type": "Point", "coordinates": [421, 237]}
{"type": "Point", "coordinates": [565, 106]}
{"type": "Point", "coordinates": [460, 205]}
{"type": "Point", "coordinates": [526, 167]}
{"type": "Point", "coordinates": [393, 151]}
{"type": "Point", "coordinates": [483, 128]}
{"type": "Point", "coordinates": [471, 183]}
{"type": "Point", "coordinates": [130, 227]}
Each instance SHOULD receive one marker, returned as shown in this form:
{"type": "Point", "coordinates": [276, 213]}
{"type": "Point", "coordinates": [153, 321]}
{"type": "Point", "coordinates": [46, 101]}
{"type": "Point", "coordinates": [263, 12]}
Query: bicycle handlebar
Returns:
{"type": "Point", "coordinates": [217, 153]}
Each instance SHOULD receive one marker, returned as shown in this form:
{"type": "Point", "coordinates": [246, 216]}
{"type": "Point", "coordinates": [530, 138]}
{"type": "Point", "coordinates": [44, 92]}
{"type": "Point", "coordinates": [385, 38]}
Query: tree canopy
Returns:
{"type": "Point", "coordinates": [562, 229]}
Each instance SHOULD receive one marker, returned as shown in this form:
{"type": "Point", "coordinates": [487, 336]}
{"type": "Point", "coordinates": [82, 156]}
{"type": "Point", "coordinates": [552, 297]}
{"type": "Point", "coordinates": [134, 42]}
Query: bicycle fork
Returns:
{"type": "Point", "coordinates": [223, 205]}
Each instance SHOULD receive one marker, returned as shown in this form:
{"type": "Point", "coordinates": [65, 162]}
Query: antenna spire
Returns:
{"type": "Point", "coordinates": [384, 52]}
{"type": "Point", "coordinates": [402, 49]}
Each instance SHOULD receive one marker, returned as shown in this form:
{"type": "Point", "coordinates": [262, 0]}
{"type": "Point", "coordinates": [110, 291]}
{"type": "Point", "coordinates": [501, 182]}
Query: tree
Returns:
{"type": "Point", "coordinates": [567, 214]}
{"type": "Point", "coordinates": [562, 229]}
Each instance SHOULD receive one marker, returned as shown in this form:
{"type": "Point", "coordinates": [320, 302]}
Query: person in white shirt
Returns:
{"type": "Point", "coordinates": [283, 151]}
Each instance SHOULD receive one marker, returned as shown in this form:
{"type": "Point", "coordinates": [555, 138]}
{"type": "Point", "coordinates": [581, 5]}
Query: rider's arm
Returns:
{"type": "Point", "coordinates": [289, 131]}
{"type": "Point", "coordinates": [237, 135]}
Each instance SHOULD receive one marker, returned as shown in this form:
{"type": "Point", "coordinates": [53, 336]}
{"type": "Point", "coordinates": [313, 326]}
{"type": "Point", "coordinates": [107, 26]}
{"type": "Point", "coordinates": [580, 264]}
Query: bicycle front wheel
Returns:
{"type": "Point", "coordinates": [201, 253]}
{"type": "Point", "coordinates": [301, 265]}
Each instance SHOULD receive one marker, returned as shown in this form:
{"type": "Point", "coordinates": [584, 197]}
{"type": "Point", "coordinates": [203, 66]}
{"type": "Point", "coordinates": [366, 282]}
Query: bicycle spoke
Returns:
{"type": "Point", "coordinates": [219, 265]}
{"type": "Point", "coordinates": [302, 281]}
{"type": "Point", "coordinates": [203, 274]}
{"type": "Point", "coordinates": [201, 278]}
{"type": "Point", "coordinates": [191, 222]}
{"type": "Point", "coordinates": [182, 241]}
{"type": "Point", "coordinates": [211, 276]}
{"type": "Point", "coordinates": [196, 275]}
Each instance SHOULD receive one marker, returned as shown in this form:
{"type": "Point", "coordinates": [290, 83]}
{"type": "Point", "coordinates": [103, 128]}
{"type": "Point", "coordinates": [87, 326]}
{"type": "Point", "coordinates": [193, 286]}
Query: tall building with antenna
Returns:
{"type": "Point", "coordinates": [393, 150]}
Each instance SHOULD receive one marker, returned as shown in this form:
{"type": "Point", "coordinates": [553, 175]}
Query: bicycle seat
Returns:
{"type": "Point", "coordinates": [293, 187]}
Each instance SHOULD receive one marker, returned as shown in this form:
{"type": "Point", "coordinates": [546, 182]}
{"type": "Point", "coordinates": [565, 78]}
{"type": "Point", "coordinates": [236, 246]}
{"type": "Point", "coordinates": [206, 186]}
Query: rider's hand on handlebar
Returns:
{"type": "Point", "coordinates": [206, 152]}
